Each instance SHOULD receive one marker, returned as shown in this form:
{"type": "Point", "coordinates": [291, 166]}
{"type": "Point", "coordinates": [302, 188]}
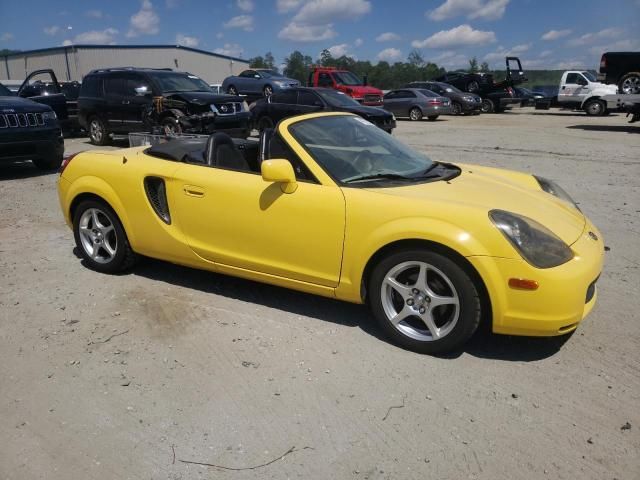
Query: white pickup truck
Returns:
{"type": "Point", "coordinates": [580, 90]}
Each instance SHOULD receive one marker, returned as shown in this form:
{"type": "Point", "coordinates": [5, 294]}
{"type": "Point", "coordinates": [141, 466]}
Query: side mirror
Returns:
{"type": "Point", "coordinates": [280, 171]}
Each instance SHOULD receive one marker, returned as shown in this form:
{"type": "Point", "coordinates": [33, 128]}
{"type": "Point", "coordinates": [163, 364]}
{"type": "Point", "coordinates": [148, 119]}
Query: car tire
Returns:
{"type": "Point", "coordinates": [232, 90]}
{"type": "Point", "coordinates": [415, 114]}
{"type": "Point", "coordinates": [473, 86]}
{"type": "Point", "coordinates": [267, 91]}
{"type": "Point", "coordinates": [170, 126]}
{"type": "Point", "coordinates": [49, 163]}
{"type": "Point", "coordinates": [98, 133]}
{"type": "Point", "coordinates": [405, 306]}
{"type": "Point", "coordinates": [100, 238]}
{"type": "Point", "coordinates": [595, 108]}
{"type": "Point", "coordinates": [433, 118]}
{"type": "Point", "coordinates": [457, 108]}
{"type": "Point", "coordinates": [630, 83]}
{"type": "Point", "coordinates": [264, 123]}
{"type": "Point", "coordinates": [487, 106]}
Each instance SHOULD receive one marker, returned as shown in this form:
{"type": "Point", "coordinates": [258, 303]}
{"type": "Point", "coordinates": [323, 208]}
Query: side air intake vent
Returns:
{"type": "Point", "coordinates": [157, 195]}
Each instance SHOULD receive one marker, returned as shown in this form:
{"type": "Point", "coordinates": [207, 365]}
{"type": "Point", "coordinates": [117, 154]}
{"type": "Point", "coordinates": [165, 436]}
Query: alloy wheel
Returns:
{"type": "Point", "coordinates": [95, 130]}
{"type": "Point", "coordinates": [631, 85]}
{"type": "Point", "coordinates": [97, 235]}
{"type": "Point", "coordinates": [420, 301]}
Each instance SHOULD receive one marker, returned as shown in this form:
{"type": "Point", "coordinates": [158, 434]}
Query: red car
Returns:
{"type": "Point", "coordinates": [346, 82]}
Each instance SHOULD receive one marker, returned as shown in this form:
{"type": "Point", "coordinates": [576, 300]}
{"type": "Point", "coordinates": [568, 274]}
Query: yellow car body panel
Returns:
{"type": "Point", "coordinates": [319, 237]}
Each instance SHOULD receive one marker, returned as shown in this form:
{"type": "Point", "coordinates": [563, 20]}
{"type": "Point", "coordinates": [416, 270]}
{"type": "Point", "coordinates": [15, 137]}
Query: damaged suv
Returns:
{"type": "Point", "coordinates": [123, 100]}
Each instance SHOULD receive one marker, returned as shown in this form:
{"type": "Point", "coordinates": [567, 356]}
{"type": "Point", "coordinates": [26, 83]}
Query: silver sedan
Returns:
{"type": "Point", "coordinates": [416, 103]}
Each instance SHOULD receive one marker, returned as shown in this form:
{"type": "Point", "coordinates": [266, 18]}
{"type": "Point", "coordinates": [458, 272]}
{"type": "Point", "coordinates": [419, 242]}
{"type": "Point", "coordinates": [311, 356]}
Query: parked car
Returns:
{"type": "Point", "coordinates": [461, 102]}
{"type": "Point", "coordinates": [346, 82]}
{"type": "Point", "coordinates": [330, 205]}
{"type": "Point", "coordinates": [268, 112]}
{"type": "Point", "coordinates": [527, 97]}
{"type": "Point", "coordinates": [258, 82]}
{"type": "Point", "coordinates": [42, 86]}
{"type": "Point", "coordinates": [124, 100]}
{"type": "Point", "coordinates": [621, 69]}
{"type": "Point", "coordinates": [416, 103]}
{"type": "Point", "coordinates": [496, 96]}
{"type": "Point", "coordinates": [29, 131]}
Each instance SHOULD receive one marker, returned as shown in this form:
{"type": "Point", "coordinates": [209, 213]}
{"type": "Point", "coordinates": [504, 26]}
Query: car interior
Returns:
{"type": "Point", "coordinates": [219, 150]}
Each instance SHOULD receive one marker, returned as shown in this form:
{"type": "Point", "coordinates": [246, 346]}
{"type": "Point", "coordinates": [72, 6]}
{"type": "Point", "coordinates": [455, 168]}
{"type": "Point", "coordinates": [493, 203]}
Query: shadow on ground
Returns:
{"type": "Point", "coordinates": [567, 114]}
{"type": "Point", "coordinates": [608, 128]}
{"type": "Point", "coordinates": [26, 169]}
{"type": "Point", "coordinates": [484, 344]}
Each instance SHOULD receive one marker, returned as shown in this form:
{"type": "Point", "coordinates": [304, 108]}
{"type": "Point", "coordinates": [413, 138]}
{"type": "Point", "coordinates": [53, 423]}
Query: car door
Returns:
{"type": "Point", "coordinates": [574, 88]}
{"type": "Point", "coordinates": [283, 105]}
{"type": "Point", "coordinates": [309, 102]}
{"type": "Point", "coordinates": [137, 97]}
{"type": "Point", "coordinates": [390, 101]}
{"type": "Point", "coordinates": [115, 100]}
{"type": "Point", "coordinates": [248, 83]}
{"type": "Point", "coordinates": [238, 220]}
{"type": "Point", "coordinates": [42, 86]}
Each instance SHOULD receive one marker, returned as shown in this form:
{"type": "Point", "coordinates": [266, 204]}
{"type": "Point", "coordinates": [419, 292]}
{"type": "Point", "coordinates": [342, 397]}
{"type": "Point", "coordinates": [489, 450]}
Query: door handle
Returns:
{"type": "Point", "coordinates": [193, 191]}
{"type": "Point", "coordinates": [126, 102]}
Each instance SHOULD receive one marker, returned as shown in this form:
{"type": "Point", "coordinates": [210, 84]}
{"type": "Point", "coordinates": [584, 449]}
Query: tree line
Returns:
{"type": "Point", "coordinates": [387, 75]}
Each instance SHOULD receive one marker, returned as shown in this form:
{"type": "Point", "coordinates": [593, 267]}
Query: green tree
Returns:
{"type": "Point", "coordinates": [269, 61]}
{"type": "Point", "coordinates": [473, 65]}
{"type": "Point", "coordinates": [326, 59]}
{"type": "Point", "coordinates": [297, 66]}
{"type": "Point", "coordinates": [415, 58]}
{"type": "Point", "coordinates": [262, 62]}
{"type": "Point", "coordinates": [484, 67]}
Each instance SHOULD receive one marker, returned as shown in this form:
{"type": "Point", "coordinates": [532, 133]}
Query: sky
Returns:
{"type": "Point", "coordinates": [543, 33]}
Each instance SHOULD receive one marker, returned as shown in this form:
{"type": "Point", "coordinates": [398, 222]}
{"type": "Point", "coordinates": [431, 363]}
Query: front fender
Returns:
{"type": "Point", "coordinates": [358, 252]}
{"type": "Point", "coordinates": [89, 184]}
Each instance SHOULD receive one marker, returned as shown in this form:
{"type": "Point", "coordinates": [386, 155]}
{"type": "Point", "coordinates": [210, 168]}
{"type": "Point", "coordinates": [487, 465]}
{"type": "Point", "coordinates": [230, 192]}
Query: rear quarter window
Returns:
{"type": "Point", "coordinates": [91, 87]}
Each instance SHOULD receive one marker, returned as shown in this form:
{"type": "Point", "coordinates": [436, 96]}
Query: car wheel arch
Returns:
{"type": "Point", "coordinates": [450, 253]}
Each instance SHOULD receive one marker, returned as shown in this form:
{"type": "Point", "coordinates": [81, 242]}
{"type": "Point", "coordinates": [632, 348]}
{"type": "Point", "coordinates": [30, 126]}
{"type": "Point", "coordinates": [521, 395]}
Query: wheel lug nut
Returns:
{"type": "Point", "coordinates": [415, 291]}
{"type": "Point", "coordinates": [422, 310]}
{"type": "Point", "coordinates": [410, 302]}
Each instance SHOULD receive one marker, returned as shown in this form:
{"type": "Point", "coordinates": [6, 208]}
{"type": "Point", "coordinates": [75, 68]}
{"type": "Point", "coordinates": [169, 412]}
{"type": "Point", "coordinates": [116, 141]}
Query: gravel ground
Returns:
{"type": "Point", "coordinates": [105, 377]}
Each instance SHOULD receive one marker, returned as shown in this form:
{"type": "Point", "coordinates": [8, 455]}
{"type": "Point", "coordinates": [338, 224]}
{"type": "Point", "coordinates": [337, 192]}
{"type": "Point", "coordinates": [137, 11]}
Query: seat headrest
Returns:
{"type": "Point", "coordinates": [213, 142]}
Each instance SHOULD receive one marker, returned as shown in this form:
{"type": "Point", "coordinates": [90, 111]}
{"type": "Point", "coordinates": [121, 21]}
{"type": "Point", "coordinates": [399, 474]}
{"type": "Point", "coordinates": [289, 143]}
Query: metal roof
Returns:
{"type": "Point", "coordinates": [124, 47]}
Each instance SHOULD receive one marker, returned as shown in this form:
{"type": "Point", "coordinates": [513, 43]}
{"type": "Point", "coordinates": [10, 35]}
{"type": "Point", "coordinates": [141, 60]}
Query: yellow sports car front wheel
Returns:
{"type": "Point", "coordinates": [424, 300]}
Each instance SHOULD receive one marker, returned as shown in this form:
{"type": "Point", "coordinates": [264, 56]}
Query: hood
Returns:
{"type": "Point", "coordinates": [286, 80]}
{"type": "Point", "coordinates": [21, 105]}
{"type": "Point", "coordinates": [485, 189]}
{"type": "Point", "coordinates": [203, 98]}
{"type": "Point", "coordinates": [366, 112]}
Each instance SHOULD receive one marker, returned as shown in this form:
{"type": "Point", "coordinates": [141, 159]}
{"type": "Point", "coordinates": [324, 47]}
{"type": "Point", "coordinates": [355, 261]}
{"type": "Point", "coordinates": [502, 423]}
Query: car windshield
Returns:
{"type": "Point", "coordinates": [589, 76]}
{"type": "Point", "coordinates": [4, 91]}
{"type": "Point", "coordinates": [337, 99]}
{"type": "Point", "coordinates": [347, 78]}
{"type": "Point", "coordinates": [354, 151]}
{"type": "Point", "coordinates": [180, 82]}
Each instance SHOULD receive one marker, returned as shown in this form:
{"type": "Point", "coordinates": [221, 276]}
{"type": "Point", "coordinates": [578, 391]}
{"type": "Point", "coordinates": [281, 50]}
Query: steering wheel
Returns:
{"type": "Point", "coordinates": [363, 162]}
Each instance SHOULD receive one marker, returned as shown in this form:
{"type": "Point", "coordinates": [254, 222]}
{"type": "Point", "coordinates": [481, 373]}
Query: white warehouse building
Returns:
{"type": "Point", "coordinates": [73, 62]}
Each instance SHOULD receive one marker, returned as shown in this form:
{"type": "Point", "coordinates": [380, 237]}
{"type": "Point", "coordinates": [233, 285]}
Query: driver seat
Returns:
{"type": "Point", "coordinates": [221, 152]}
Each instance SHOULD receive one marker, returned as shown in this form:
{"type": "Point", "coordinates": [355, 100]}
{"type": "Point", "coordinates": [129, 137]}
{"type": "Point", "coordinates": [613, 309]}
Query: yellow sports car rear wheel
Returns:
{"type": "Point", "coordinates": [424, 301]}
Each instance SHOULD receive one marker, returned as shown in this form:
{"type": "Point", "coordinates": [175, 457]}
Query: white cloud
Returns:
{"type": "Point", "coordinates": [389, 55]}
{"type": "Point", "coordinates": [52, 30]}
{"type": "Point", "coordinates": [306, 33]}
{"type": "Point", "coordinates": [502, 52]}
{"type": "Point", "coordinates": [67, 43]}
{"type": "Point", "coordinates": [94, 13]}
{"type": "Point", "coordinates": [6, 37]}
{"type": "Point", "coordinates": [387, 37]}
{"type": "Point", "coordinates": [607, 33]}
{"type": "Point", "coordinates": [145, 21]}
{"type": "Point", "coordinates": [461, 35]}
{"type": "Point", "coordinates": [219, 35]}
{"type": "Point", "coordinates": [483, 9]}
{"type": "Point", "coordinates": [569, 65]}
{"type": "Point", "coordinates": [186, 41]}
{"type": "Point", "coordinates": [337, 51]}
{"type": "Point", "coordinates": [556, 34]}
{"type": "Point", "coordinates": [106, 36]}
{"type": "Point", "coordinates": [358, 42]}
{"type": "Point", "coordinates": [230, 49]}
{"type": "Point", "coordinates": [628, 44]}
{"type": "Point", "coordinates": [322, 12]}
{"type": "Point", "coordinates": [285, 6]}
{"type": "Point", "coordinates": [245, 5]}
{"type": "Point", "coordinates": [451, 59]}
{"type": "Point", "coordinates": [545, 53]}
{"type": "Point", "coordinates": [245, 22]}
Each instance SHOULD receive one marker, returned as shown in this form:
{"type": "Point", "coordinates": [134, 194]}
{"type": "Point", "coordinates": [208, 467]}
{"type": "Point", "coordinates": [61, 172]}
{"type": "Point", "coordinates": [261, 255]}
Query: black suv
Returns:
{"type": "Point", "coordinates": [123, 100]}
{"type": "Point", "coordinates": [29, 131]}
{"type": "Point", "coordinates": [621, 68]}
{"type": "Point", "coordinates": [267, 112]}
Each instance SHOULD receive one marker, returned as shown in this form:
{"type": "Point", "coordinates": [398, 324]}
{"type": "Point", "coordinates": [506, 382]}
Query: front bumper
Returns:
{"type": "Point", "coordinates": [471, 106]}
{"type": "Point", "coordinates": [236, 125]}
{"type": "Point", "coordinates": [565, 296]}
{"type": "Point", "coordinates": [509, 101]}
{"type": "Point", "coordinates": [16, 145]}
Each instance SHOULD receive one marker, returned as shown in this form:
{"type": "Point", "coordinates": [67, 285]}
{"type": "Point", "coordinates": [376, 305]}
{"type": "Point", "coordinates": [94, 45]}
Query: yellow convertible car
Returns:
{"type": "Point", "coordinates": [331, 205]}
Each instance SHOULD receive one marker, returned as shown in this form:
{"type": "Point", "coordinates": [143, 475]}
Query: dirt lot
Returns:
{"type": "Point", "coordinates": [122, 377]}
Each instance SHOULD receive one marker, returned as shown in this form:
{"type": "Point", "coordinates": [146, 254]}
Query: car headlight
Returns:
{"type": "Point", "coordinates": [535, 243]}
{"type": "Point", "coordinates": [468, 98]}
{"type": "Point", "coordinates": [556, 190]}
{"type": "Point", "coordinates": [49, 116]}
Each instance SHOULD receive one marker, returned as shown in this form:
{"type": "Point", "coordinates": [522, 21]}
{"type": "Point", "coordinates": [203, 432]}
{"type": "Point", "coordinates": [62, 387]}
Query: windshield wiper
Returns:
{"type": "Point", "coordinates": [377, 176]}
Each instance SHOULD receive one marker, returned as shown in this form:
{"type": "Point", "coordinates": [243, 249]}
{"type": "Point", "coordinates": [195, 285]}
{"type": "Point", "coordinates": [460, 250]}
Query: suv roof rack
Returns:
{"type": "Point", "coordinates": [120, 69]}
